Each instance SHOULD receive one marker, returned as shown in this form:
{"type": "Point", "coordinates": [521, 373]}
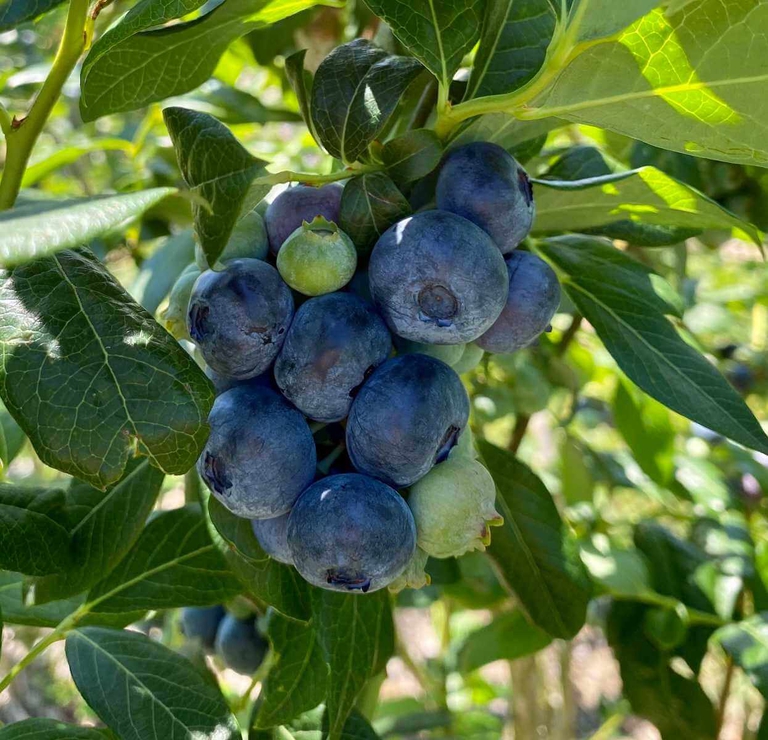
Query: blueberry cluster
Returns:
{"type": "Point", "coordinates": [373, 352]}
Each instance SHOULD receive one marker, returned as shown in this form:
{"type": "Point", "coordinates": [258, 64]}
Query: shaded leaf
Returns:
{"type": "Point", "coordinates": [217, 168]}
{"type": "Point", "coordinates": [413, 155]}
{"type": "Point", "coordinates": [746, 642]}
{"type": "Point", "coordinates": [143, 690]}
{"type": "Point", "coordinates": [301, 82]}
{"type": "Point", "coordinates": [626, 304]}
{"type": "Point", "coordinates": [505, 130]}
{"type": "Point", "coordinates": [49, 729]}
{"type": "Point", "coordinates": [14, 12]}
{"type": "Point", "coordinates": [600, 18]}
{"type": "Point", "coordinates": [535, 554]}
{"type": "Point", "coordinates": [614, 570]}
{"type": "Point", "coordinates": [173, 563]}
{"type": "Point", "coordinates": [90, 376]}
{"type": "Point", "coordinates": [313, 725]}
{"type": "Point", "coordinates": [37, 229]}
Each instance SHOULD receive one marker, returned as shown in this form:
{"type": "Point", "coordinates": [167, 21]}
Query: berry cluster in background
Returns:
{"type": "Point", "coordinates": [340, 427]}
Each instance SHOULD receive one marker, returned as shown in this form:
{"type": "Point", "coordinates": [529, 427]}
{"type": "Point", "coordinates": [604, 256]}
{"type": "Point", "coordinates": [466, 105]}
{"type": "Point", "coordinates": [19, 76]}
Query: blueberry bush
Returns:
{"type": "Point", "coordinates": [450, 305]}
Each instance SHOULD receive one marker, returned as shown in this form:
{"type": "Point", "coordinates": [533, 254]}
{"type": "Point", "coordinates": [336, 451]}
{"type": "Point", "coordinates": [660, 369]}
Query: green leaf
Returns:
{"type": "Point", "coordinates": [102, 527]}
{"type": "Point", "coordinates": [646, 196]}
{"type": "Point", "coordinates": [173, 563]}
{"type": "Point", "coordinates": [313, 725]}
{"type": "Point", "coordinates": [534, 552]}
{"type": "Point", "coordinates": [370, 204]}
{"type": "Point", "coordinates": [14, 12]}
{"type": "Point", "coordinates": [746, 643]}
{"type": "Point", "coordinates": [41, 228]}
{"type": "Point", "coordinates": [513, 45]}
{"type": "Point", "coordinates": [13, 437]}
{"type": "Point", "coordinates": [598, 19]}
{"type": "Point", "coordinates": [49, 729]}
{"type": "Point", "coordinates": [674, 82]}
{"type": "Point", "coordinates": [626, 304]}
{"type": "Point", "coordinates": [218, 169]}
{"type": "Point", "coordinates": [121, 71]}
{"type": "Point", "coordinates": [34, 537]}
{"type": "Point", "coordinates": [507, 131]}
{"type": "Point", "coordinates": [356, 89]}
{"type": "Point", "coordinates": [616, 571]}
{"type": "Point", "coordinates": [437, 32]}
{"type": "Point", "coordinates": [301, 82]}
{"type": "Point", "coordinates": [413, 155]}
{"type": "Point", "coordinates": [143, 690]}
{"type": "Point", "coordinates": [356, 634]}
{"type": "Point", "coordinates": [297, 679]}
{"type": "Point", "coordinates": [89, 375]}
{"type": "Point", "coordinates": [267, 580]}
{"type": "Point", "coordinates": [508, 637]}
{"type": "Point", "coordinates": [577, 481]}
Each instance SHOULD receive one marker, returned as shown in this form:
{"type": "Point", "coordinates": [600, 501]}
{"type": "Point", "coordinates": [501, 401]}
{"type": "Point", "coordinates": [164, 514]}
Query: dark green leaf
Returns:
{"type": "Point", "coordinates": [313, 725]}
{"type": "Point", "coordinates": [625, 303]}
{"type": "Point", "coordinates": [37, 229]}
{"type": "Point", "coordinates": [269, 581]}
{"type": "Point", "coordinates": [356, 89]}
{"type": "Point", "coordinates": [505, 130]}
{"type": "Point", "coordinates": [217, 168]}
{"type": "Point", "coordinates": [143, 690]}
{"type": "Point", "coordinates": [173, 563]}
{"type": "Point", "coordinates": [297, 679]}
{"type": "Point", "coordinates": [579, 163]}
{"type": "Point", "coordinates": [437, 32]}
{"type": "Point", "coordinates": [598, 19]}
{"type": "Point", "coordinates": [301, 82]}
{"type": "Point", "coordinates": [14, 12]}
{"type": "Point", "coordinates": [356, 634]}
{"type": "Point", "coordinates": [49, 729]}
{"type": "Point", "coordinates": [102, 527]}
{"type": "Point", "coordinates": [370, 204]}
{"type": "Point", "coordinates": [91, 377]}
{"type": "Point", "coordinates": [13, 437]}
{"type": "Point", "coordinates": [508, 637]}
{"type": "Point", "coordinates": [233, 106]}
{"type": "Point", "coordinates": [534, 552]}
{"type": "Point", "coordinates": [413, 155]}
{"type": "Point", "coordinates": [32, 530]}
{"type": "Point", "coordinates": [747, 644]}
{"type": "Point", "coordinates": [121, 71]}
{"type": "Point", "coordinates": [513, 45]}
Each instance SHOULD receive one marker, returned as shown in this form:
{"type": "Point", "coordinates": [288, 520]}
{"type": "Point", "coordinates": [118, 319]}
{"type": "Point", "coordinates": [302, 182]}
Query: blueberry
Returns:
{"type": "Point", "coordinates": [335, 342]}
{"type": "Point", "coordinates": [201, 623]}
{"type": "Point", "coordinates": [406, 418]}
{"type": "Point", "coordinates": [240, 645]}
{"type": "Point", "coordinates": [438, 279]}
{"type": "Point", "coordinates": [222, 383]}
{"type": "Point", "coordinates": [485, 184]}
{"type": "Point", "coordinates": [239, 317]}
{"type": "Point", "coordinates": [272, 535]}
{"type": "Point", "coordinates": [260, 454]}
{"type": "Point", "coordinates": [351, 533]}
{"type": "Point", "coordinates": [534, 297]}
{"type": "Point", "coordinates": [298, 204]}
{"type": "Point", "coordinates": [248, 239]}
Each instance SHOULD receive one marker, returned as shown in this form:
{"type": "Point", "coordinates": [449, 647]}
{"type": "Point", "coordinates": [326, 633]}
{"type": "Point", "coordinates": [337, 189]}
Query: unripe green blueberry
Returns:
{"type": "Point", "coordinates": [450, 354]}
{"type": "Point", "coordinates": [465, 446]}
{"type": "Point", "coordinates": [415, 574]}
{"type": "Point", "coordinates": [248, 239]}
{"type": "Point", "coordinates": [453, 506]}
{"type": "Point", "coordinates": [470, 359]}
{"type": "Point", "coordinates": [317, 258]}
{"type": "Point", "coordinates": [174, 316]}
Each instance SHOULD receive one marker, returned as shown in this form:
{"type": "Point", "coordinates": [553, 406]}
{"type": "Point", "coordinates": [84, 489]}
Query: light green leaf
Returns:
{"type": "Point", "coordinates": [49, 729]}
{"type": "Point", "coordinates": [119, 73]}
{"type": "Point", "coordinates": [14, 12]}
{"type": "Point", "coordinates": [145, 691]}
{"type": "Point", "coordinates": [505, 130]}
{"type": "Point", "coordinates": [39, 229]}
{"type": "Point", "coordinates": [102, 527]}
{"type": "Point", "coordinates": [577, 481]}
{"type": "Point", "coordinates": [534, 552]}
{"type": "Point", "coordinates": [173, 563]}
{"type": "Point", "coordinates": [601, 18]}
{"type": "Point", "coordinates": [217, 169]}
{"type": "Point", "coordinates": [356, 634]}
{"type": "Point", "coordinates": [356, 89]}
{"type": "Point", "coordinates": [437, 32]}
{"type": "Point", "coordinates": [413, 155]}
{"type": "Point", "coordinates": [513, 45]}
{"type": "Point", "coordinates": [616, 571]}
{"type": "Point", "coordinates": [90, 376]}
{"type": "Point", "coordinates": [644, 196]}
{"type": "Point", "coordinates": [297, 679]}
{"type": "Point", "coordinates": [626, 304]}
{"type": "Point", "coordinates": [508, 637]}
{"type": "Point", "coordinates": [674, 82]}
{"type": "Point", "coordinates": [747, 644]}
{"type": "Point", "coordinates": [32, 530]}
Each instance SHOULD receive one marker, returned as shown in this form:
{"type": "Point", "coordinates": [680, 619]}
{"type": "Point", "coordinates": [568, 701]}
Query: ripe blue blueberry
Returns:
{"type": "Point", "coordinates": [483, 183]}
{"type": "Point", "coordinates": [260, 454]}
{"type": "Point", "coordinates": [334, 343]}
{"type": "Point", "coordinates": [297, 204]}
{"type": "Point", "coordinates": [534, 297]}
{"type": "Point", "coordinates": [222, 383]}
{"type": "Point", "coordinates": [406, 418]}
{"type": "Point", "coordinates": [201, 623]}
{"type": "Point", "coordinates": [240, 645]}
{"type": "Point", "coordinates": [238, 317]}
{"type": "Point", "coordinates": [437, 278]}
{"type": "Point", "coordinates": [351, 533]}
{"type": "Point", "coordinates": [272, 535]}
